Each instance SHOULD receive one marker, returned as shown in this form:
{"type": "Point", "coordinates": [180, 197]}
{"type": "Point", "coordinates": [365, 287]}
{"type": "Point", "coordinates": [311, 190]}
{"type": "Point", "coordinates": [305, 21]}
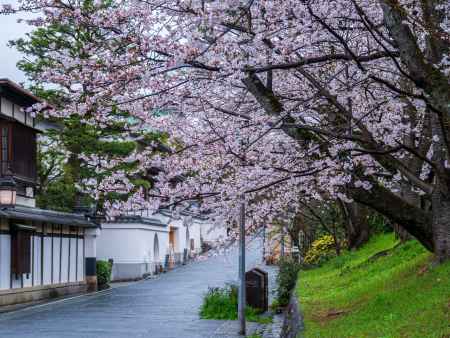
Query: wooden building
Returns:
{"type": "Point", "coordinates": [43, 253]}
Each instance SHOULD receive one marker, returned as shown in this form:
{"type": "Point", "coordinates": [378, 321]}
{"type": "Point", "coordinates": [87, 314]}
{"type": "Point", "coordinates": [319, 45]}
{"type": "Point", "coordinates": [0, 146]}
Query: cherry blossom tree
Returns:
{"type": "Point", "coordinates": [274, 101]}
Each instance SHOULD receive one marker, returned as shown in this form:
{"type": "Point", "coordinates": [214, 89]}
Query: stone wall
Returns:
{"type": "Point", "coordinates": [31, 294]}
{"type": "Point", "coordinates": [286, 325]}
{"type": "Point", "coordinates": [293, 321]}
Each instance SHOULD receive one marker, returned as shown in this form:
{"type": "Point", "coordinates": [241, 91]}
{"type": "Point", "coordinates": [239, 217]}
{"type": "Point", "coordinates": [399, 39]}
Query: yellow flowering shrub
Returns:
{"type": "Point", "coordinates": [321, 250]}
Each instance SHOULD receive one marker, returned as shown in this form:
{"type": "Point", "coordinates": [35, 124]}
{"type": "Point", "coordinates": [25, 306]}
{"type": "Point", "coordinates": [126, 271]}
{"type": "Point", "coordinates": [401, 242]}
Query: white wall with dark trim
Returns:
{"type": "Point", "coordinates": [64, 270]}
{"type": "Point", "coordinates": [132, 248]}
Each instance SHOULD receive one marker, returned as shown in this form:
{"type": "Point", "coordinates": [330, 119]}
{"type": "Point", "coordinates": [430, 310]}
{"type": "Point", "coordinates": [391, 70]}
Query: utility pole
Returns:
{"type": "Point", "coordinates": [241, 303]}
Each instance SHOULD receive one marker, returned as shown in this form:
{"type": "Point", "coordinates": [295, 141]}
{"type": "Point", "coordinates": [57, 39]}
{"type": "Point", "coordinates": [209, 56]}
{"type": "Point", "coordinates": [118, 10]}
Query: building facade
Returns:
{"type": "Point", "coordinates": [43, 253]}
{"type": "Point", "coordinates": [136, 245]}
{"type": "Point", "coordinates": [142, 243]}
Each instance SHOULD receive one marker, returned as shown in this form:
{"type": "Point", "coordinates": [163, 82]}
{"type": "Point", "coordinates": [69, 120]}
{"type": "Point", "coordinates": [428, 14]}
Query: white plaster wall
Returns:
{"type": "Point", "coordinates": [5, 261]}
{"type": "Point", "coordinates": [47, 260]}
{"type": "Point", "coordinates": [163, 245]}
{"type": "Point", "coordinates": [27, 279]}
{"type": "Point", "coordinates": [122, 245]}
{"type": "Point", "coordinates": [195, 233]}
{"type": "Point", "coordinates": [130, 242]}
{"type": "Point", "coordinates": [37, 259]}
{"type": "Point", "coordinates": [72, 259]}
{"type": "Point", "coordinates": [34, 278]}
{"type": "Point", "coordinates": [16, 283]}
{"type": "Point", "coordinates": [80, 270]}
{"type": "Point", "coordinates": [56, 259]}
{"type": "Point", "coordinates": [131, 246]}
{"type": "Point", "coordinates": [65, 260]}
{"type": "Point", "coordinates": [6, 107]}
{"type": "Point", "coordinates": [19, 115]}
{"type": "Point", "coordinates": [90, 246]}
{"type": "Point", "coordinates": [30, 120]}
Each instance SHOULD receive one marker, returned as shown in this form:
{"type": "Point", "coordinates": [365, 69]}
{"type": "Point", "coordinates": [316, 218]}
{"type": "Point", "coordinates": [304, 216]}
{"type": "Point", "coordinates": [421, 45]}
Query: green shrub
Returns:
{"type": "Point", "coordinates": [103, 273]}
{"type": "Point", "coordinates": [222, 303]}
{"type": "Point", "coordinates": [321, 250]}
{"type": "Point", "coordinates": [286, 279]}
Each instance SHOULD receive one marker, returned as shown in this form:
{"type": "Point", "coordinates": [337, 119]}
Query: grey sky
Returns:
{"type": "Point", "coordinates": [10, 29]}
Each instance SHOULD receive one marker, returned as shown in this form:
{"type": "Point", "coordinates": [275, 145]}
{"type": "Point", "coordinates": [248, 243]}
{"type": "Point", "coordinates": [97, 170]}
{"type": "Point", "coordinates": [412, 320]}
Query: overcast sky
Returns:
{"type": "Point", "coordinates": [10, 29]}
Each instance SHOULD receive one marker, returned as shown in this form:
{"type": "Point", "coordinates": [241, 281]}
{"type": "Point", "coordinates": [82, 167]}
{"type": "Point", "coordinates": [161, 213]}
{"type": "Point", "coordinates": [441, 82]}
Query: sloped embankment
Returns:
{"type": "Point", "coordinates": [382, 290]}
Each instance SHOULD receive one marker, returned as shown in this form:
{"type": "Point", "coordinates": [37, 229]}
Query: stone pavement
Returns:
{"type": "Point", "coordinates": [165, 307]}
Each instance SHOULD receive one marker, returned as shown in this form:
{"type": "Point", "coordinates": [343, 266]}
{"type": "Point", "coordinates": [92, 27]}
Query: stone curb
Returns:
{"type": "Point", "coordinates": [289, 324]}
{"type": "Point", "coordinates": [275, 329]}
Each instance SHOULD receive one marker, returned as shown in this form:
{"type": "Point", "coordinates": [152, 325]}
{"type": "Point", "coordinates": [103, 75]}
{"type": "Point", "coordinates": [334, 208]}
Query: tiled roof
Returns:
{"type": "Point", "coordinates": [49, 216]}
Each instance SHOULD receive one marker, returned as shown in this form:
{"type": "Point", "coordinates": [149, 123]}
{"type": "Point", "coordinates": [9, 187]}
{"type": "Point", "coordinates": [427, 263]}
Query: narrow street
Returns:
{"type": "Point", "coordinates": [165, 307]}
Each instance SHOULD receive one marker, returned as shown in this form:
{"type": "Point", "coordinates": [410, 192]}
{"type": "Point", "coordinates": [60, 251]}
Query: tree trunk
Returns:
{"type": "Point", "coordinates": [356, 225]}
{"type": "Point", "coordinates": [441, 225]}
{"type": "Point", "coordinates": [401, 233]}
{"type": "Point", "coordinates": [412, 198]}
{"type": "Point", "coordinates": [440, 198]}
{"type": "Point", "coordinates": [337, 245]}
{"type": "Point", "coordinates": [416, 221]}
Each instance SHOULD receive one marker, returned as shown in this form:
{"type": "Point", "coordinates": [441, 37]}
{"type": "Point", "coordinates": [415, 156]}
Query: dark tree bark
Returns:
{"type": "Point", "coordinates": [337, 244]}
{"type": "Point", "coordinates": [441, 225]}
{"type": "Point", "coordinates": [412, 198]}
{"type": "Point", "coordinates": [440, 200]}
{"type": "Point", "coordinates": [413, 219]}
{"type": "Point", "coordinates": [356, 224]}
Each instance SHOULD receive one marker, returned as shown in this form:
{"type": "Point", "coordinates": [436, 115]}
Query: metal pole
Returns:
{"type": "Point", "coordinates": [241, 303]}
{"type": "Point", "coordinates": [264, 244]}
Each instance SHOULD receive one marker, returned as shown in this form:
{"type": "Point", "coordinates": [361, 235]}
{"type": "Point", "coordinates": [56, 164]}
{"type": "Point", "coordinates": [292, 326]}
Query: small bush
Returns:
{"type": "Point", "coordinates": [286, 279]}
{"type": "Point", "coordinates": [222, 303]}
{"type": "Point", "coordinates": [321, 250]}
{"type": "Point", "coordinates": [103, 273]}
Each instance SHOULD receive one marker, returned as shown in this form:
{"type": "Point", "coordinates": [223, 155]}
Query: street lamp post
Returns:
{"type": "Point", "coordinates": [241, 303]}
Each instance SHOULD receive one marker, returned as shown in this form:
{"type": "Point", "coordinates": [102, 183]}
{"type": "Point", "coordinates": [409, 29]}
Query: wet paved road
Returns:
{"type": "Point", "coordinates": [166, 307]}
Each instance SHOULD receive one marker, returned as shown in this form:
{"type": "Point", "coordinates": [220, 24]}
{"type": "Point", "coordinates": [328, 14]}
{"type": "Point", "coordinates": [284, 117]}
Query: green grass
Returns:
{"type": "Point", "coordinates": [398, 294]}
{"type": "Point", "coordinates": [222, 303]}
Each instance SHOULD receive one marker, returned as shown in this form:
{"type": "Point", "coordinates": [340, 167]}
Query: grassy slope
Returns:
{"type": "Point", "coordinates": [396, 295]}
